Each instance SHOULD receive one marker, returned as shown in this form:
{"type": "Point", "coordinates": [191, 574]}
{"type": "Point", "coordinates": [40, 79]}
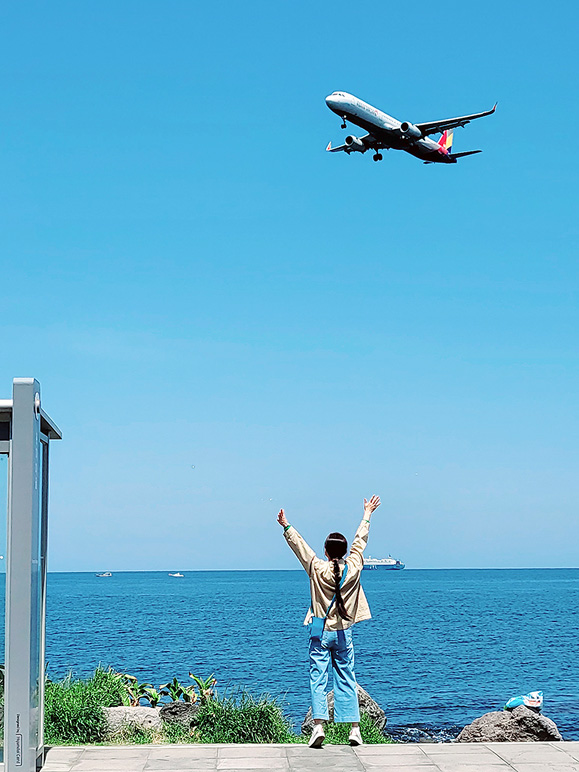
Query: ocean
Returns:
{"type": "Point", "coordinates": [443, 647]}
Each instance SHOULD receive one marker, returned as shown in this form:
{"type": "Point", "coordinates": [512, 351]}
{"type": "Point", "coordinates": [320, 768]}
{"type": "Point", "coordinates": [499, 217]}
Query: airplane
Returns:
{"type": "Point", "coordinates": [386, 132]}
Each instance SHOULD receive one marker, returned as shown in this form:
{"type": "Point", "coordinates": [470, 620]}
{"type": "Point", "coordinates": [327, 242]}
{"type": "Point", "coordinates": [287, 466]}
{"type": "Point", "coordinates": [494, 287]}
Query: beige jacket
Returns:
{"type": "Point", "coordinates": [322, 583]}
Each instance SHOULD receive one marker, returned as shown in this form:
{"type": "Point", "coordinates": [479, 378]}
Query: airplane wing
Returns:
{"type": "Point", "coordinates": [435, 127]}
{"type": "Point", "coordinates": [360, 144]}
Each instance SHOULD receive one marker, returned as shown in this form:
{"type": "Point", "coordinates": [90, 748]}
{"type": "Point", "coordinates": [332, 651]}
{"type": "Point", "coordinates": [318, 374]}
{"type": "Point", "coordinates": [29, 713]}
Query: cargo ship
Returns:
{"type": "Point", "coordinates": [384, 564]}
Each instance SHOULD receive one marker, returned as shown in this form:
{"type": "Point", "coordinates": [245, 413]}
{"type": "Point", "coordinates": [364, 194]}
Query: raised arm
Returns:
{"type": "Point", "coordinates": [356, 556]}
{"type": "Point", "coordinates": [298, 544]}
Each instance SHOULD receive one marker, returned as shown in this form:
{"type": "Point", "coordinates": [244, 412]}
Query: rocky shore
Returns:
{"type": "Point", "coordinates": [521, 724]}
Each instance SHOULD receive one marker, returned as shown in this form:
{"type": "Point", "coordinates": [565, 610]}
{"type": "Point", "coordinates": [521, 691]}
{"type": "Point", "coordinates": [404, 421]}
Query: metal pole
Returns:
{"type": "Point", "coordinates": [22, 684]}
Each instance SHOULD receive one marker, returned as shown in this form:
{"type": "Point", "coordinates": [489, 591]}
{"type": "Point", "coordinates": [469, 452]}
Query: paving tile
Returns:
{"type": "Point", "coordinates": [531, 753]}
{"type": "Point", "coordinates": [388, 767]}
{"type": "Point", "coordinates": [481, 756]}
{"type": "Point", "coordinates": [433, 748]}
{"type": "Point", "coordinates": [572, 766]}
{"type": "Point", "coordinates": [176, 752]}
{"type": "Point", "coordinates": [398, 762]}
{"type": "Point", "coordinates": [321, 764]}
{"type": "Point", "coordinates": [484, 766]}
{"type": "Point", "coordinates": [64, 754]}
{"type": "Point", "coordinates": [252, 751]}
{"type": "Point", "coordinates": [109, 765]}
{"type": "Point", "coordinates": [183, 763]}
{"type": "Point", "coordinates": [123, 753]}
{"type": "Point", "coordinates": [396, 749]}
{"type": "Point", "coordinates": [375, 760]}
{"type": "Point", "coordinates": [53, 766]}
{"type": "Point", "coordinates": [275, 764]}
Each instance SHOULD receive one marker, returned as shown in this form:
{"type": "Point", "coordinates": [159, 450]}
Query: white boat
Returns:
{"type": "Point", "coordinates": [177, 574]}
{"type": "Point", "coordinates": [389, 563]}
{"type": "Point", "coordinates": [106, 573]}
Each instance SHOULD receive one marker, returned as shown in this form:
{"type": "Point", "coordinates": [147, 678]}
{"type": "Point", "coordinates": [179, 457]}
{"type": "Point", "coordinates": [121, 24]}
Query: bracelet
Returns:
{"type": "Point", "coordinates": [365, 521]}
{"type": "Point", "coordinates": [285, 528]}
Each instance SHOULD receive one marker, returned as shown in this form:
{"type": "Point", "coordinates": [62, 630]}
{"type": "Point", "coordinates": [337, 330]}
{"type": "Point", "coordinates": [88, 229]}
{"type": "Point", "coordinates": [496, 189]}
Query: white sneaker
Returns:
{"type": "Point", "coordinates": [355, 737]}
{"type": "Point", "coordinates": [318, 736]}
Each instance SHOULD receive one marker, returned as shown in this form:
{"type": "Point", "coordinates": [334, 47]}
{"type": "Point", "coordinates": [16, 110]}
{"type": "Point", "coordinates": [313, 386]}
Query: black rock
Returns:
{"type": "Point", "coordinates": [182, 713]}
{"type": "Point", "coordinates": [517, 725]}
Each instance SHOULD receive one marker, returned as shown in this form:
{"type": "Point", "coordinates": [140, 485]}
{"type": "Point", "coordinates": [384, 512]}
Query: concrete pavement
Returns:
{"type": "Point", "coordinates": [427, 757]}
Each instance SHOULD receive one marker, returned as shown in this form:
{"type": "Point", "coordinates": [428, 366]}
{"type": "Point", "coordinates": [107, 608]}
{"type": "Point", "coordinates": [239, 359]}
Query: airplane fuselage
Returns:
{"type": "Point", "coordinates": [386, 129]}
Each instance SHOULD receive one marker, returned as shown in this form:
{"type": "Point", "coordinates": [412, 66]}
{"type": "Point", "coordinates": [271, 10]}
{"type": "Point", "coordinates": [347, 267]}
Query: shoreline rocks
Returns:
{"type": "Point", "coordinates": [518, 725]}
{"type": "Point", "coordinates": [366, 703]}
{"type": "Point", "coordinates": [181, 713]}
{"type": "Point", "coordinates": [118, 719]}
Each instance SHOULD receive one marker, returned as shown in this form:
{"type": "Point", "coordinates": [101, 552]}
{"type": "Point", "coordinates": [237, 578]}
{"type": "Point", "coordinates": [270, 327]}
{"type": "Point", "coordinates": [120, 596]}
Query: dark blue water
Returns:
{"type": "Point", "coordinates": [443, 646]}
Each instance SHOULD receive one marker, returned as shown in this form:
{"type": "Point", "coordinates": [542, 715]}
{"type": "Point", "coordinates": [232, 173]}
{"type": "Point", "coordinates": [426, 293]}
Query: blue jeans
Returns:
{"type": "Point", "coordinates": [335, 647]}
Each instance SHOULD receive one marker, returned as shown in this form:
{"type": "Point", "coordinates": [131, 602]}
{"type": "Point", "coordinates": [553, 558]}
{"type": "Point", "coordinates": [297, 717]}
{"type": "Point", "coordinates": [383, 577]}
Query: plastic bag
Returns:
{"type": "Point", "coordinates": [532, 700]}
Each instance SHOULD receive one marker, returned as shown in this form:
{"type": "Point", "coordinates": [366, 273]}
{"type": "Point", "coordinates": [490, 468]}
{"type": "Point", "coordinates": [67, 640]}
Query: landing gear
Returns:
{"type": "Point", "coordinates": [377, 156]}
{"type": "Point", "coordinates": [343, 125]}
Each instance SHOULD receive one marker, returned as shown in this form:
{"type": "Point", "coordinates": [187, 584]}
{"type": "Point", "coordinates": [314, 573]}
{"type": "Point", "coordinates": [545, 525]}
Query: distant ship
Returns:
{"type": "Point", "coordinates": [177, 574]}
{"type": "Point", "coordinates": [106, 573]}
{"type": "Point", "coordinates": [384, 564]}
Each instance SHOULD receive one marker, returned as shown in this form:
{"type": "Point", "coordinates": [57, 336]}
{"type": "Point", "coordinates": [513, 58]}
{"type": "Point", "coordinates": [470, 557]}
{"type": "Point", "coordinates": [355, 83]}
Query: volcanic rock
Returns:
{"type": "Point", "coordinates": [366, 703]}
{"type": "Point", "coordinates": [182, 713]}
{"type": "Point", "coordinates": [518, 725]}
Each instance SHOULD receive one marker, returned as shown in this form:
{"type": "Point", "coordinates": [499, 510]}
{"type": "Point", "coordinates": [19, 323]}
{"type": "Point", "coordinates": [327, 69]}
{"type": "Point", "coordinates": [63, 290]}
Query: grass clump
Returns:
{"type": "Point", "coordinates": [73, 707]}
{"type": "Point", "coordinates": [177, 733]}
{"type": "Point", "coordinates": [243, 718]}
{"type": "Point", "coordinates": [72, 713]}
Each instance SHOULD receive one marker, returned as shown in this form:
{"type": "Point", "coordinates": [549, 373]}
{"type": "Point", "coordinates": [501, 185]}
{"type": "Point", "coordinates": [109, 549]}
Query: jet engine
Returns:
{"type": "Point", "coordinates": [410, 131]}
{"type": "Point", "coordinates": [353, 143]}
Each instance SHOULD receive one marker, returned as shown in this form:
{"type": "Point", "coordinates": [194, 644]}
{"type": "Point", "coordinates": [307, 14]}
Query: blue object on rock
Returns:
{"type": "Point", "coordinates": [532, 700]}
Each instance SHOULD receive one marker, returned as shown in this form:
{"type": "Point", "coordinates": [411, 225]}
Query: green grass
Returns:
{"type": "Point", "coordinates": [177, 733]}
{"type": "Point", "coordinates": [72, 713]}
{"type": "Point", "coordinates": [243, 718]}
{"type": "Point", "coordinates": [73, 707]}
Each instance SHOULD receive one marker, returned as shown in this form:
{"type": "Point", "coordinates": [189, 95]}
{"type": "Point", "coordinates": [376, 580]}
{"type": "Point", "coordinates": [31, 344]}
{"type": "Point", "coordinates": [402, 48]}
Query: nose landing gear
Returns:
{"type": "Point", "coordinates": [377, 156]}
{"type": "Point", "coordinates": [343, 124]}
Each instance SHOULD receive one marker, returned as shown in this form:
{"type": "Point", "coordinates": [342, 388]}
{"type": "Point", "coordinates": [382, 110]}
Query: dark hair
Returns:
{"type": "Point", "coordinates": [336, 546]}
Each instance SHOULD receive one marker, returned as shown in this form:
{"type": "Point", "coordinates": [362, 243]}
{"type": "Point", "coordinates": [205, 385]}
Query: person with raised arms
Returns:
{"type": "Point", "coordinates": [337, 602]}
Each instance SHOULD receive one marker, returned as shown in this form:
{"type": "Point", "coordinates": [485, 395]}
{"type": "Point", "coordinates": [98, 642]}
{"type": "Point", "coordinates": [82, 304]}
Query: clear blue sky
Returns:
{"type": "Point", "coordinates": [195, 281]}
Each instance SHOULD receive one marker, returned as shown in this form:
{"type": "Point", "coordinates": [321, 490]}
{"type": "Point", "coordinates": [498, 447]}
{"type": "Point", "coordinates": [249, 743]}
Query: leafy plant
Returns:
{"type": "Point", "coordinates": [153, 696]}
{"type": "Point", "coordinates": [172, 689]}
{"type": "Point", "coordinates": [206, 687]}
{"type": "Point", "coordinates": [135, 689]}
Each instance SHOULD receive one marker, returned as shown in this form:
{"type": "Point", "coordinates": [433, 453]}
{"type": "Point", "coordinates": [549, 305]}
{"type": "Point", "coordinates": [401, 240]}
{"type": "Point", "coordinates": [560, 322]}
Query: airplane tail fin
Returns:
{"type": "Point", "coordinates": [445, 141]}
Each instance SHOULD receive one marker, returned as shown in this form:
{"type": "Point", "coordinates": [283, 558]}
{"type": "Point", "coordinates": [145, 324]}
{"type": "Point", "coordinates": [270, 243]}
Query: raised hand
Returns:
{"type": "Point", "coordinates": [370, 506]}
{"type": "Point", "coordinates": [281, 518]}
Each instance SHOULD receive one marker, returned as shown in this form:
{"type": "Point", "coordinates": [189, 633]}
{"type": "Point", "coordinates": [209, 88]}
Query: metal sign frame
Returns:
{"type": "Point", "coordinates": [27, 517]}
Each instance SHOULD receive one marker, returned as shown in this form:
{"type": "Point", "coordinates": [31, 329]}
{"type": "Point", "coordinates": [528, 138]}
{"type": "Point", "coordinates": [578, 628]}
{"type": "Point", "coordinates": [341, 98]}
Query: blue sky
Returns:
{"type": "Point", "coordinates": [197, 284]}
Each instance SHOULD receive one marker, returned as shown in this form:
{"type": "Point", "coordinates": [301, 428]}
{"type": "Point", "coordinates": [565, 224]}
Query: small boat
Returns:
{"type": "Point", "coordinates": [106, 573]}
{"type": "Point", "coordinates": [389, 563]}
{"type": "Point", "coordinates": [177, 574]}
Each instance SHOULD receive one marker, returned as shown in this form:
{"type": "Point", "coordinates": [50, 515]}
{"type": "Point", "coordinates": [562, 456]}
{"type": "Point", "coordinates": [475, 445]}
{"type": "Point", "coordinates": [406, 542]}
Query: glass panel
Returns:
{"type": "Point", "coordinates": [3, 536]}
{"type": "Point", "coordinates": [43, 547]}
{"type": "Point", "coordinates": [35, 609]}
